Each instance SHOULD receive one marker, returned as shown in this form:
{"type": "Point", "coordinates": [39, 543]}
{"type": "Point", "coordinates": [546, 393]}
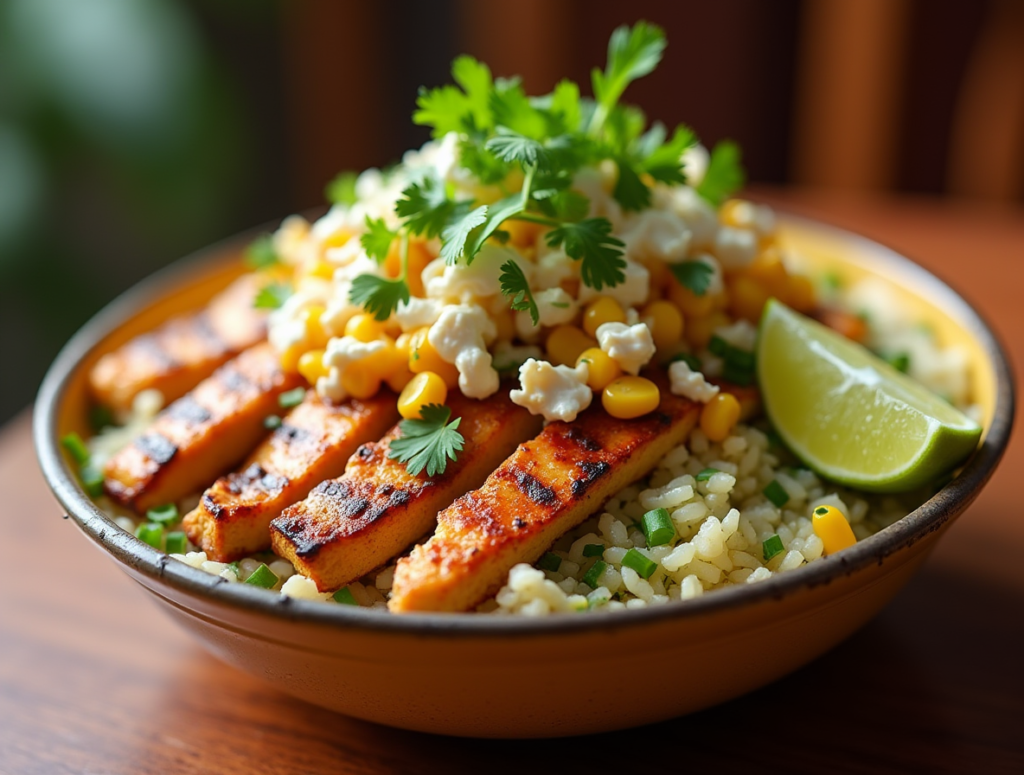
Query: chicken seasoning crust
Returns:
{"type": "Point", "coordinates": [514, 374]}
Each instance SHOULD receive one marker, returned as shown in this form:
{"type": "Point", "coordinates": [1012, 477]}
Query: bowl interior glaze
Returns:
{"type": "Point", "coordinates": [487, 676]}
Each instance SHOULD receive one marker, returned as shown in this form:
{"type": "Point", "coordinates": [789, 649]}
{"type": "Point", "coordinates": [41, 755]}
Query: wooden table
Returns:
{"type": "Point", "coordinates": [94, 679]}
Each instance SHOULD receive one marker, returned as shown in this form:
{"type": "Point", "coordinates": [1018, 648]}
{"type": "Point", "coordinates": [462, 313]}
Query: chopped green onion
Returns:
{"type": "Point", "coordinates": [272, 422]}
{"type": "Point", "coordinates": [593, 550]}
{"type": "Point", "coordinates": [658, 527]}
{"type": "Point", "coordinates": [774, 439]}
{"type": "Point", "coordinates": [772, 547]}
{"type": "Point", "coordinates": [550, 561]}
{"type": "Point", "coordinates": [821, 511]}
{"type": "Point", "coordinates": [262, 577]}
{"type": "Point", "coordinates": [235, 567]}
{"type": "Point", "coordinates": [165, 515]}
{"type": "Point", "coordinates": [291, 398]}
{"type": "Point", "coordinates": [596, 570]}
{"type": "Point", "coordinates": [689, 359]}
{"type": "Point", "coordinates": [261, 253]}
{"type": "Point", "coordinates": [776, 493]}
{"type": "Point", "coordinates": [736, 375]}
{"type": "Point", "coordinates": [92, 480]}
{"type": "Point", "coordinates": [100, 417]}
{"type": "Point", "coordinates": [76, 448]}
{"type": "Point", "coordinates": [344, 596]}
{"type": "Point", "coordinates": [832, 281]}
{"type": "Point", "coordinates": [706, 474]}
{"type": "Point", "coordinates": [150, 533]}
{"type": "Point", "coordinates": [177, 543]}
{"type": "Point", "coordinates": [900, 362]}
{"type": "Point", "coordinates": [718, 346]}
{"type": "Point", "coordinates": [640, 563]}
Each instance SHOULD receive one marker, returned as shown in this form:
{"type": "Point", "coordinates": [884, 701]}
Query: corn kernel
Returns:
{"type": "Point", "coordinates": [565, 343]}
{"type": "Point", "coordinates": [831, 527]}
{"type": "Point", "coordinates": [425, 388]}
{"type": "Point", "coordinates": [400, 378]}
{"type": "Point", "coordinates": [386, 361]}
{"type": "Point", "coordinates": [629, 397]}
{"type": "Point", "coordinates": [338, 238]}
{"type": "Point", "coordinates": [311, 318]}
{"type": "Point", "coordinates": [689, 302]}
{"type": "Point", "coordinates": [290, 357]}
{"type": "Point", "coordinates": [311, 366]}
{"type": "Point", "coordinates": [747, 297]}
{"type": "Point", "coordinates": [735, 212]}
{"type": "Point", "coordinates": [322, 269]}
{"type": "Point", "coordinates": [699, 330]}
{"type": "Point", "coordinates": [601, 368]}
{"type": "Point", "coordinates": [505, 323]}
{"type": "Point", "coordinates": [364, 327]}
{"type": "Point", "coordinates": [665, 321]}
{"type": "Point", "coordinates": [800, 293]}
{"type": "Point", "coordinates": [603, 309]}
{"type": "Point", "coordinates": [423, 357]}
{"type": "Point", "coordinates": [522, 233]}
{"type": "Point", "coordinates": [360, 382]}
{"type": "Point", "coordinates": [770, 271]}
{"type": "Point", "coordinates": [719, 416]}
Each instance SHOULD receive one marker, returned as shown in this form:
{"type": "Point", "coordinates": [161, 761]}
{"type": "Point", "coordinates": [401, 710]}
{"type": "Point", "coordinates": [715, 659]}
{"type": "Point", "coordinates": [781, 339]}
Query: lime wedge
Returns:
{"type": "Point", "coordinates": [848, 414]}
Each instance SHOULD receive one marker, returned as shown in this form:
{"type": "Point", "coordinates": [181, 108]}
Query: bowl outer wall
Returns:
{"type": "Point", "coordinates": [811, 608]}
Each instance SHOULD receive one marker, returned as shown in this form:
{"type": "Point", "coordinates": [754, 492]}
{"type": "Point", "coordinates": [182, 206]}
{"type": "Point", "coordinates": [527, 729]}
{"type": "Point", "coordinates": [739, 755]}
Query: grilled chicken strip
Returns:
{"type": "Point", "coordinates": [183, 351]}
{"type": "Point", "coordinates": [549, 486]}
{"type": "Point", "coordinates": [202, 434]}
{"type": "Point", "coordinates": [349, 526]}
{"type": "Point", "coordinates": [313, 443]}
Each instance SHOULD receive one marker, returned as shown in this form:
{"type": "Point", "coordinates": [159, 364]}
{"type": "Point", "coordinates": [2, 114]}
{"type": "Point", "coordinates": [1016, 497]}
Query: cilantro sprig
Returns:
{"type": "Point", "coordinates": [428, 443]}
{"type": "Point", "coordinates": [530, 149]}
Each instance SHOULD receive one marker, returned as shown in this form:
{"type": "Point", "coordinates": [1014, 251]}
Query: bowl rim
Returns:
{"type": "Point", "coordinates": [143, 559]}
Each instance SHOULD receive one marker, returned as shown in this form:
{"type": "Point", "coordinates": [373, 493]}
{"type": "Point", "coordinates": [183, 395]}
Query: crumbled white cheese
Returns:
{"type": "Point", "coordinates": [286, 327]}
{"type": "Point", "coordinates": [593, 184]}
{"type": "Point", "coordinates": [695, 163]}
{"type": "Point", "coordinates": [659, 234]}
{"type": "Point", "coordinates": [742, 335]}
{"type": "Point", "coordinates": [699, 216]}
{"type": "Point", "coordinates": [340, 354]}
{"type": "Point", "coordinates": [460, 336]}
{"type": "Point", "coordinates": [735, 248]}
{"type": "Point", "coordinates": [629, 346]}
{"type": "Point", "coordinates": [631, 292]}
{"type": "Point", "coordinates": [553, 268]}
{"type": "Point", "coordinates": [509, 357]}
{"type": "Point", "coordinates": [470, 283]}
{"type": "Point", "coordinates": [690, 384]}
{"type": "Point", "coordinates": [417, 313]}
{"type": "Point", "coordinates": [555, 307]}
{"type": "Point", "coordinates": [748, 215]}
{"type": "Point", "coordinates": [556, 392]}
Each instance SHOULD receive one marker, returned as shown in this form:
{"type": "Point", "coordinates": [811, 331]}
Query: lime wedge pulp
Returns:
{"type": "Point", "coordinates": [848, 414]}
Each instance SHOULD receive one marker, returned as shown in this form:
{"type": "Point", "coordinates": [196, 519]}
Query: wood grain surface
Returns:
{"type": "Point", "coordinates": [93, 679]}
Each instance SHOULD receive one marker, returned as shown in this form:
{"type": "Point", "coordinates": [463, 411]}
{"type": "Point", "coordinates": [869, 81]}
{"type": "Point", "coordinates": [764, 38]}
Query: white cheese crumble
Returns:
{"type": "Point", "coordinates": [631, 292]}
{"type": "Point", "coordinates": [340, 354]}
{"type": "Point", "coordinates": [460, 336]}
{"type": "Point", "coordinates": [658, 234]}
{"type": "Point", "coordinates": [629, 346]}
{"type": "Point", "coordinates": [690, 384]}
{"type": "Point", "coordinates": [735, 248]}
{"type": "Point", "coordinates": [556, 392]}
{"type": "Point", "coordinates": [416, 313]}
{"type": "Point", "coordinates": [742, 335]}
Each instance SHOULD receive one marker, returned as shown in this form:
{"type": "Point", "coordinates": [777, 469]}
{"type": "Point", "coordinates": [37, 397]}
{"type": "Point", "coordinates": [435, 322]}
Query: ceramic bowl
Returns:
{"type": "Point", "coordinates": [490, 677]}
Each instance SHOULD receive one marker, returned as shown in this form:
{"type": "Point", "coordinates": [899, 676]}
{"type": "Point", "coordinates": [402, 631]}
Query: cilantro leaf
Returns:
{"type": "Point", "coordinates": [591, 241]}
{"type": "Point", "coordinates": [513, 147]}
{"type": "Point", "coordinates": [455, 235]}
{"type": "Point", "coordinates": [261, 253]}
{"type": "Point", "coordinates": [724, 175]}
{"type": "Point", "coordinates": [487, 167]}
{"type": "Point", "coordinates": [342, 190]}
{"type": "Point", "coordinates": [565, 103]}
{"type": "Point", "coordinates": [664, 161]}
{"type": "Point", "coordinates": [564, 205]}
{"type": "Point", "coordinates": [428, 443]}
{"type": "Point", "coordinates": [445, 109]}
{"type": "Point", "coordinates": [496, 215]}
{"type": "Point", "coordinates": [378, 295]}
{"type": "Point", "coordinates": [514, 284]}
{"type": "Point", "coordinates": [475, 79]}
{"type": "Point", "coordinates": [632, 54]}
{"type": "Point", "coordinates": [272, 296]}
{"type": "Point", "coordinates": [695, 275]}
{"type": "Point", "coordinates": [512, 109]}
{"type": "Point", "coordinates": [425, 207]}
{"type": "Point", "coordinates": [377, 239]}
{"type": "Point", "coordinates": [630, 192]}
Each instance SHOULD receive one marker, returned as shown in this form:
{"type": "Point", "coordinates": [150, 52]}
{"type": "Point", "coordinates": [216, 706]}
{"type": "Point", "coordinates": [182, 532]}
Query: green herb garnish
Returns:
{"type": "Point", "coordinates": [695, 275]}
{"type": "Point", "coordinates": [772, 547]}
{"type": "Point", "coordinates": [342, 190]}
{"type": "Point", "coordinates": [776, 493]}
{"type": "Point", "coordinates": [515, 284]}
{"type": "Point", "coordinates": [262, 577]}
{"type": "Point", "coordinates": [724, 175]}
{"type": "Point", "coordinates": [643, 565]}
{"type": "Point", "coordinates": [150, 533]}
{"type": "Point", "coordinates": [591, 577]}
{"type": "Point", "coordinates": [428, 443]}
{"type": "Point", "coordinates": [272, 296]}
{"type": "Point", "coordinates": [657, 527]}
{"type": "Point", "coordinates": [176, 542]}
{"type": "Point", "coordinates": [550, 561]}
{"type": "Point", "coordinates": [706, 474]}
{"type": "Point", "coordinates": [164, 515]}
{"type": "Point", "coordinates": [73, 443]}
{"type": "Point", "coordinates": [345, 597]}
{"type": "Point", "coordinates": [261, 253]}
{"type": "Point", "coordinates": [593, 550]}
{"type": "Point", "coordinates": [290, 398]}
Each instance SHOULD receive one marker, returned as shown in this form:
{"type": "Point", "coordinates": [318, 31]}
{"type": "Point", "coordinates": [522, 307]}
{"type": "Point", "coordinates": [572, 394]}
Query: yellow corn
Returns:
{"type": "Point", "coordinates": [719, 416]}
{"type": "Point", "coordinates": [364, 327]}
{"type": "Point", "coordinates": [731, 213]}
{"type": "Point", "coordinates": [311, 366]}
{"type": "Point", "coordinates": [565, 343]}
{"type": "Point", "coordinates": [800, 293]}
{"type": "Point", "coordinates": [629, 397]}
{"type": "Point", "coordinates": [831, 527]}
{"type": "Point", "coordinates": [666, 323]}
{"type": "Point", "coordinates": [322, 269]}
{"type": "Point", "coordinates": [425, 388]}
{"type": "Point", "coordinates": [505, 323]}
{"type": "Point", "coordinates": [601, 368]}
{"type": "Point", "coordinates": [290, 357]}
{"type": "Point", "coordinates": [311, 318]}
{"type": "Point", "coordinates": [747, 297]}
{"type": "Point", "coordinates": [700, 329]}
{"type": "Point", "coordinates": [603, 309]}
{"type": "Point", "coordinates": [423, 357]}
{"type": "Point", "coordinates": [339, 238]}
{"type": "Point", "coordinates": [359, 382]}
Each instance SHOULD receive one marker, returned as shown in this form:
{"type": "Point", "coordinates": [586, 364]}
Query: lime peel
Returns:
{"type": "Point", "coordinates": [848, 414]}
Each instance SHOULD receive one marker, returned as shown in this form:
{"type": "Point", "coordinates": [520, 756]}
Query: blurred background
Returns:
{"type": "Point", "coordinates": [133, 132]}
